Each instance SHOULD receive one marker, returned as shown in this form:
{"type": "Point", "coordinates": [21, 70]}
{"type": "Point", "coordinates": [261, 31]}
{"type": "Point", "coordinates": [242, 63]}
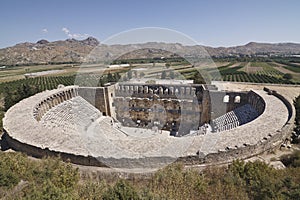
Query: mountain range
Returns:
{"type": "Point", "coordinates": [91, 50]}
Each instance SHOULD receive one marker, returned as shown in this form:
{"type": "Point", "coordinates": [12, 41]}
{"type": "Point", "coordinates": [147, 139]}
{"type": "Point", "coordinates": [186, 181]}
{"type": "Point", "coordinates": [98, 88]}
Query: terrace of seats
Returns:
{"type": "Point", "coordinates": [235, 118]}
{"type": "Point", "coordinates": [72, 115]}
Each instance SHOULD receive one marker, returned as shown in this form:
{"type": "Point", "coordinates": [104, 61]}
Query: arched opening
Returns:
{"type": "Point", "coordinates": [237, 99]}
{"type": "Point", "coordinates": [226, 99]}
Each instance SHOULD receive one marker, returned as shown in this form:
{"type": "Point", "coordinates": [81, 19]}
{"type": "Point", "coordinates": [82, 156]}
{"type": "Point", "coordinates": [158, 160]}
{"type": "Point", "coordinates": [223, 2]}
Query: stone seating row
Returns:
{"type": "Point", "coordinates": [232, 119]}
{"type": "Point", "coordinates": [71, 115]}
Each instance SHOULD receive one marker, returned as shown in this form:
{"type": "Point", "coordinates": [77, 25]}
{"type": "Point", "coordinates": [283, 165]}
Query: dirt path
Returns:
{"type": "Point", "coordinates": [235, 65]}
{"type": "Point", "coordinates": [246, 68]}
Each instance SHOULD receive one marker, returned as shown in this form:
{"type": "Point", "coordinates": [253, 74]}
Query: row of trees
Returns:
{"type": "Point", "coordinates": [254, 78]}
{"type": "Point", "coordinates": [11, 97]}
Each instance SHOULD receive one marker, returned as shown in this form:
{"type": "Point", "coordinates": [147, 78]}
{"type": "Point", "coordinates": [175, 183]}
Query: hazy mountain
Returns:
{"type": "Point", "coordinates": [75, 51]}
{"type": "Point", "coordinates": [44, 52]}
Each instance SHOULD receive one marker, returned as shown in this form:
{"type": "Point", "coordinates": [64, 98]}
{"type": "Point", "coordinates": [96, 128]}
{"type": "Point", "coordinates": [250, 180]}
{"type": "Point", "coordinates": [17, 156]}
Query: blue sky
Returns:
{"type": "Point", "coordinates": [209, 22]}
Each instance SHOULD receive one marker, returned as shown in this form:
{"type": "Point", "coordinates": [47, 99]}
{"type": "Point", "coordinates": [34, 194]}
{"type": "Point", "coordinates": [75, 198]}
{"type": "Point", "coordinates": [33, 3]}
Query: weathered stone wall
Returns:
{"type": "Point", "coordinates": [95, 96]}
{"type": "Point", "coordinates": [166, 106]}
{"type": "Point", "coordinates": [109, 98]}
{"type": "Point", "coordinates": [226, 156]}
{"type": "Point", "coordinates": [256, 102]}
{"type": "Point", "coordinates": [222, 102]}
{"type": "Point", "coordinates": [184, 107]}
{"type": "Point", "coordinates": [42, 153]}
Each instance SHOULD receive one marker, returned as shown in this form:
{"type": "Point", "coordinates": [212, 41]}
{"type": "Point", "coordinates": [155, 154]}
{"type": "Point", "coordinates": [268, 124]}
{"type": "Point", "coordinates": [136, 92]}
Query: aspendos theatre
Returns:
{"type": "Point", "coordinates": [147, 124]}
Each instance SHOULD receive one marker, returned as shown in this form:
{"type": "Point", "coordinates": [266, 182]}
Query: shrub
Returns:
{"type": "Point", "coordinates": [122, 190]}
{"type": "Point", "coordinates": [291, 160]}
{"type": "Point", "coordinates": [287, 76]}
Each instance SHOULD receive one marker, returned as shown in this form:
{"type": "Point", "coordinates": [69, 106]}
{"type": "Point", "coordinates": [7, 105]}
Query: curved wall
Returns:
{"type": "Point", "coordinates": [26, 115]}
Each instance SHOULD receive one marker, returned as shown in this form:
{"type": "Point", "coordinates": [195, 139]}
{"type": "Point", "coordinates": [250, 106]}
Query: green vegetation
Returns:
{"type": "Point", "coordinates": [1, 117]}
{"type": "Point", "coordinates": [163, 75]}
{"type": "Point", "coordinates": [291, 160]}
{"type": "Point", "coordinates": [23, 178]}
{"type": "Point", "coordinates": [171, 61]}
{"type": "Point", "coordinates": [225, 70]}
{"type": "Point", "coordinates": [290, 64]}
{"type": "Point", "coordinates": [287, 76]}
{"type": "Point", "coordinates": [254, 71]}
{"type": "Point", "coordinates": [121, 190]}
{"type": "Point", "coordinates": [47, 179]}
{"type": "Point", "coordinates": [266, 75]}
{"type": "Point", "coordinates": [41, 83]}
{"type": "Point", "coordinates": [266, 66]}
{"type": "Point", "coordinates": [255, 78]}
{"type": "Point", "coordinates": [15, 91]}
{"type": "Point", "coordinates": [296, 135]}
{"type": "Point", "coordinates": [294, 68]}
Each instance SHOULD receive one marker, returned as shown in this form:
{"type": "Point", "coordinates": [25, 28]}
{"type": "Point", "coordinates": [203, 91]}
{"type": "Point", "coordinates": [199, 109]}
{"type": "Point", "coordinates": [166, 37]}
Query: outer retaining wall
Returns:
{"type": "Point", "coordinates": [41, 153]}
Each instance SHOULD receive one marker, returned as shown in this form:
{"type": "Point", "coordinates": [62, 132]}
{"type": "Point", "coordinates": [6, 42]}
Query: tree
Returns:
{"type": "Point", "coordinates": [172, 74]}
{"type": "Point", "coordinates": [163, 75]}
{"type": "Point", "coordinates": [122, 190]}
{"type": "Point", "coordinates": [295, 136]}
{"type": "Point", "coordinates": [167, 65]}
{"type": "Point", "coordinates": [117, 76]}
{"type": "Point", "coordinates": [287, 76]}
{"type": "Point", "coordinates": [142, 74]}
{"type": "Point", "coordinates": [8, 101]}
{"type": "Point", "coordinates": [135, 74]}
{"type": "Point", "coordinates": [291, 160]}
{"type": "Point", "coordinates": [198, 79]}
{"type": "Point", "coordinates": [129, 74]}
{"type": "Point", "coordinates": [110, 77]}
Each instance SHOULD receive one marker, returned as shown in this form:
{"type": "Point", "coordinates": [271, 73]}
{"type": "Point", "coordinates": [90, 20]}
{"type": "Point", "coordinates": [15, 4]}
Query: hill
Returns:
{"type": "Point", "coordinates": [77, 51]}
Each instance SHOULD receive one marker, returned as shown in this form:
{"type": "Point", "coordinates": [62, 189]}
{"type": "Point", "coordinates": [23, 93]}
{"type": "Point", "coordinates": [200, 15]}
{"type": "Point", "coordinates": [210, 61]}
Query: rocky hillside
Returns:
{"type": "Point", "coordinates": [90, 50]}
{"type": "Point", "coordinates": [44, 52]}
{"type": "Point", "coordinates": [265, 48]}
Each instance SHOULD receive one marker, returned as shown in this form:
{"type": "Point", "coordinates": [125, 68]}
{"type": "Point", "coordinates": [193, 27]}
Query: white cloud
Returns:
{"type": "Point", "coordinates": [44, 30]}
{"type": "Point", "coordinates": [74, 35]}
{"type": "Point", "coordinates": [65, 30]}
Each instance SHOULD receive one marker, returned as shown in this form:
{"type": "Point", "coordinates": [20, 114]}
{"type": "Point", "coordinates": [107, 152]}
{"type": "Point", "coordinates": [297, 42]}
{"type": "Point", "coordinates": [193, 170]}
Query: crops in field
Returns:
{"type": "Point", "coordinates": [253, 78]}
{"type": "Point", "coordinates": [292, 65]}
{"type": "Point", "coordinates": [51, 82]}
{"type": "Point", "coordinates": [39, 83]}
{"type": "Point", "coordinates": [236, 74]}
